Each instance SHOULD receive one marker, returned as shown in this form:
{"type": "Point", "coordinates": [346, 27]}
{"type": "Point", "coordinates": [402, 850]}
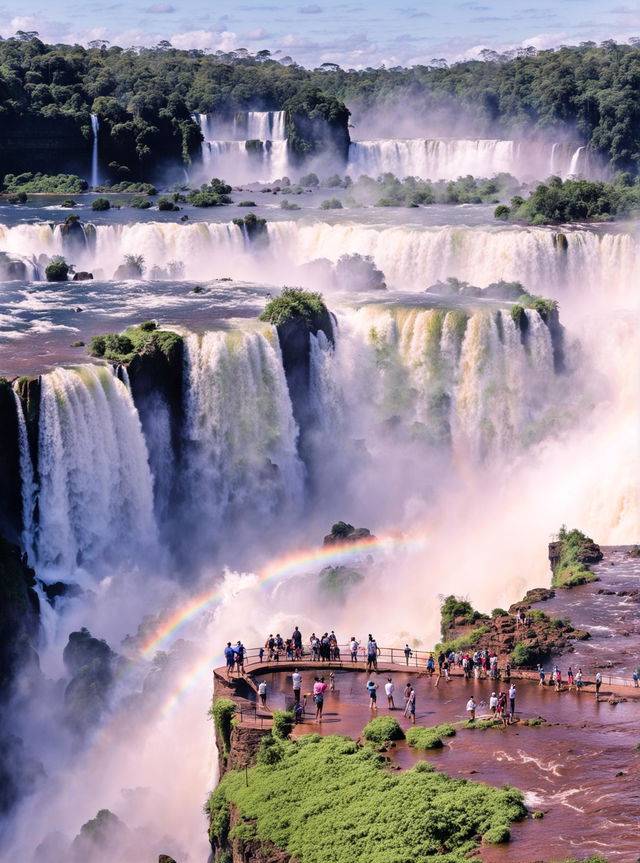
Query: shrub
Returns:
{"type": "Point", "coordinates": [167, 206]}
{"type": "Point", "coordinates": [282, 723]}
{"type": "Point", "coordinates": [78, 344]}
{"type": "Point", "coordinates": [521, 655]}
{"type": "Point", "coordinates": [57, 270]}
{"type": "Point", "coordinates": [122, 347]}
{"type": "Point", "coordinates": [502, 212]}
{"type": "Point", "coordinates": [331, 204]}
{"type": "Point", "coordinates": [538, 815]}
{"type": "Point", "coordinates": [310, 180]}
{"type": "Point", "coordinates": [270, 751]}
{"type": "Point", "coordinates": [292, 303]}
{"type": "Point", "coordinates": [452, 607]}
{"type": "Point", "coordinates": [68, 202]}
{"type": "Point", "coordinates": [496, 835]}
{"type": "Point", "coordinates": [576, 550]}
{"type": "Point", "coordinates": [429, 738]}
{"type": "Point", "coordinates": [381, 729]}
{"type": "Point", "coordinates": [246, 203]}
{"type": "Point", "coordinates": [216, 194]}
{"type": "Point", "coordinates": [222, 712]}
{"type": "Point", "coordinates": [288, 205]}
{"type": "Point", "coordinates": [100, 204]}
{"type": "Point", "coordinates": [139, 203]}
{"type": "Point", "coordinates": [499, 612]}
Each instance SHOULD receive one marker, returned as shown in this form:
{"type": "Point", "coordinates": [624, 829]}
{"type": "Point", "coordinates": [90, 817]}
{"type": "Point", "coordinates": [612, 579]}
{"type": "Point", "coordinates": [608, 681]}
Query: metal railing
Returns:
{"type": "Point", "coordinates": [254, 657]}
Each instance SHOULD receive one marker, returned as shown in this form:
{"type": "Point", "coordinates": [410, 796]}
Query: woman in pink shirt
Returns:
{"type": "Point", "coordinates": [319, 689]}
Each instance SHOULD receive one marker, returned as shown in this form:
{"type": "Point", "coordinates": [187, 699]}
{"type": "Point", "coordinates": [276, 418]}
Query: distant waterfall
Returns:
{"type": "Point", "coordinates": [448, 159]}
{"type": "Point", "coordinates": [250, 148]}
{"type": "Point", "coordinates": [239, 436]}
{"type": "Point", "coordinates": [96, 498]}
{"type": "Point", "coordinates": [27, 480]}
{"type": "Point", "coordinates": [95, 128]}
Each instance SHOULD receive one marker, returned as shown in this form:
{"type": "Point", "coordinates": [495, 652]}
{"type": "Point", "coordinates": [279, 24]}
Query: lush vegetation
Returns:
{"type": "Point", "coordinates": [58, 184]}
{"type": "Point", "coordinates": [294, 303]}
{"type": "Point", "coordinates": [57, 270]}
{"type": "Point", "coordinates": [576, 551]}
{"type": "Point", "coordinates": [389, 191]}
{"type": "Point", "coordinates": [123, 347]}
{"type": "Point", "coordinates": [454, 606]}
{"type": "Point", "coordinates": [522, 655]}
{"type": "Point", "coordinates": [214, 194]}
{"type": "Point", "coordinates": [429, 738]}
{"type": "Point", "coordinates": [333, 789]}
{"type": "Point", "coordinates": [556, 202]}
{"type": "Point", "coordinates": [381, 729]}
{"type": "Point", "coordinates": [282, 723]}
{"type": "Point", "coordinates": [222, 712]}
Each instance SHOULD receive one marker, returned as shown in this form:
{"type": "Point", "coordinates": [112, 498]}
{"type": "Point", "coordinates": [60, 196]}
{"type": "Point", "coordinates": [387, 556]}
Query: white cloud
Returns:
{"type": "Point", "coordinates": [160, 9]}
{"type": "Point", "coordinates": [206, 40]}
{"type": "Point", "coordinates": [311, 9]}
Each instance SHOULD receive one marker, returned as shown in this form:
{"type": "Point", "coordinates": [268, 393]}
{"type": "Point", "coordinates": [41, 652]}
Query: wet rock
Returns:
{"type": "Point", "coordinates": [82, 276]}
{"type": "Point", "coordinates": [605, 592]}
{"type": "Point", "coordinates": [164, 858]}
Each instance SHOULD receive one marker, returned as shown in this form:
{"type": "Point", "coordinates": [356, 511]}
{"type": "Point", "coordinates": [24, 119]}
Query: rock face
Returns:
{"type": "Point", "coordinates": [10, 488]}
{"type": "Point", "coordinates": [19, 615]}
{"type": "Point", "coordinates": [342, 532]}
{"type": "Point", "coordinates": [92, 664]}
{"type": "Point", "coordinates": [245, 850]}
{"type": "Point", "coordinates": [82, 276]}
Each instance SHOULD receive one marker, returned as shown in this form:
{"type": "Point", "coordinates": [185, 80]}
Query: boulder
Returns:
{"type": "Point", "coordinates": [82, 276]}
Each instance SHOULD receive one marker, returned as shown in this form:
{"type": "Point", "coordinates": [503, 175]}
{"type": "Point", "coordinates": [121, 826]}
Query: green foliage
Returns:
{"type": "Point", "coordinates": [332, 788]}
{"type": "Point", "coordinates": [521, 655]}
{"type": "Point", "coordinates": [538, 815]}
{"type": "Point", "coordinates": [294, 303]}
{"type": "Point", "coordinates": [499, 612]}
{"type": "Point", "coordinates": [127, 188]}
{"type": "Point", "coordinates": [167, 206]}
{"type": "Point", "coordinates": [222, 711]}
{"type": "Point", "coordinates": [215, 194]}
{"type": "Point", "coordinates": [246, 203]}
{"type": "Point", "coordinates": [57, 184]}
{"type": "Point", "coordinates": [338, 580]}
{"type": "Point", "coordinates": [496, 835]}
{"type": "Point", "coordinates": [558, 201]}
{"type": "Point", "coordinates": [57, 270]}
{"type": "Point", "coordinates": [253, 226]}
{"type": "Point", "coordinates": [310, 180]}
{"type": "Point", "coordinates": [389, 191]}
{"type": "Point", "coordinates": [381, 729]}
{"type": "Point", "coordinates": [429, 738]}
{"type": "Point", "coordinates": [454, 606]}
{"type": "Point", "coordinates": [535, 721]}
{"type": "Point", "coordinates": [100, 204]}
{"type": "Point", "coordinates": [331, 204]}
{"type": "Point", "coordinates": [282, 723]}
{"type": "Point", "coordinates": [122, 347]}
{"type": "Point", "coordinates": [464, 642]}
{"type": "Point", "coordinates": [139, 203]}
{"type": "Point", "coordinates": [572, 570]}
{"type": "Point", "coordinates": [288, 205]}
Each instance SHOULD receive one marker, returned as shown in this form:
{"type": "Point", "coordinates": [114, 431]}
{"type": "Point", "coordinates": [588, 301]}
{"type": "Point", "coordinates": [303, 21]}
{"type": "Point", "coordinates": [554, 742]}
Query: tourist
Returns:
{"type": "Point", "coordinates": [270, 644]}
{"type": "Point", "coordinates": [407, 654]}
{"type": "Point", "coordinates": [296, 680]}
{"type": "Point", "coordinates": [262, 692]}
{"type": "Point", "coordinates": [598, 685]}
{"type": "Point", "coordinates": [296, 638]}
{"type": "Point", "coordinates": [493, 703]}
{"type": "Point", "coordinates": [541, 675]}
{"type": "Point", "coordinates": [372, 689]}
{"type": "Point", "coordinates": [405, 695]}
{"type": "Point", "coordinates": [353, 649]}
{"type": "Point", "coordinates": [230, 658]}
{"type": "Point", "coordinates": [471, 709]}
{"type": "Point", "coordinates": [261, 654]}
{"type": "Point", "coordinates": [315, 647]}
{"type": "Point", "coordinates": [507, 671]}
{"type": "Point", "coordinates": [579, 680]}
{"type": "Point", "coordinates": [512, 703]}
{"type": "Point", "coordinates": [557, 678]}
{"type": "Point", "coordinates": [319, 688]}
{"type": "Point", "coordinates": [441, 658]}
{"type": "Point", "coordinates": [570, 678]}
{"type": "Point", "coordinates": [501, 709]}
{"type": "Point", "coordinates": [298, 713]}
{"type": "Point", "coordinates": [324, 648]}
{"type": "Point", "coordinates": [411, 706]}
{"type": "Point", "coordinates": [372, 654]}
{"type": "Point", "coordinates": [239, 655]}
{"type": "Point", "coordinates": [445, 667]}
{"type": "Point", "coordinates": [431, 665]}
{"type": "Point", "coordinates": [389, 690]}
{"type": "Point", "coordinates": [636, 677]}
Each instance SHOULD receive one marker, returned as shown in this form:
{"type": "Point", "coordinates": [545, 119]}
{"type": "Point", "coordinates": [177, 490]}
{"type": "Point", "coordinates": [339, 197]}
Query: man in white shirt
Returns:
{"type": "Point", "coordinates": [389, 689]}
{"type": "Point", "coordinates": [471, 709]}
{"type": "Point", "coordinates": [512, 702]}
{"type": "Point", "coordinates": [493, 703]}
{"type": "Point", "coordinates": [296, 679]}
{"type": "Point", "coordinates": [262, 692]}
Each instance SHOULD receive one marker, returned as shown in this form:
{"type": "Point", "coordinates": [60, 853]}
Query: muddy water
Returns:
{"type": "Point", "coordinates": [612, 620]}
{"type": "Point", "coordinates": [567, 769]}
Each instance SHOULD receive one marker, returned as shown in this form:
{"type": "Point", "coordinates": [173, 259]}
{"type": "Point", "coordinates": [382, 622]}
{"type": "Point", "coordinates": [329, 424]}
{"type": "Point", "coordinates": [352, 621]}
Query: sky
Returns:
{"type": "Point", "coordinates": [352, 34]}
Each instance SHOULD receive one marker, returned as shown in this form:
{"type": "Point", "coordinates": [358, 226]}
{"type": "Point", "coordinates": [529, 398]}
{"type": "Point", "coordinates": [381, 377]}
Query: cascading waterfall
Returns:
{"type": "Point", "coordinates": [27, 480]}
{"type": "Point", "coordinates": [448, 159]}
{"type": "Point", "coordinates": [239, 432]}
{"type": "Point", "coordinates": [412, 258]}
{"type": "Point", "coordinates": [95, 128]}
{"type": "Point", "coordinates": [96, 496]}
{"type": "Point", "coordinates": [252, 148]}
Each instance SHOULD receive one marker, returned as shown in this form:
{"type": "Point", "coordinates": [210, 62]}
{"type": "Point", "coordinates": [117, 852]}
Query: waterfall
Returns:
{"type": "Point", "coordinates": [448, 159]}
{"type": "Point", "coordinates": [96, 497]}
{"type": "Point", "coordinates": [252, 148]}
{"type": "Point", "coordinates": [575, 166]}
{"type": "Point", "coordinates": [27, 480]}
{"type": "Point", "coordinates": [240, 437]}
{"type": "Point", "coordinates": [95, 128]}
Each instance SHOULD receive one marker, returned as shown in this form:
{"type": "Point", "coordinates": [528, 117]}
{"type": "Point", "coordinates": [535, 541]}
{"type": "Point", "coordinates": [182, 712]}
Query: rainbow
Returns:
{"type": "Point", "coordinates": [287, 565]}
{"type": "Point", "coordinates": [188, 681]}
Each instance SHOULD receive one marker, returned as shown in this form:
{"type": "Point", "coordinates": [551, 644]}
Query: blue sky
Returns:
{"type": "Point", "coordinates": [353, 34]}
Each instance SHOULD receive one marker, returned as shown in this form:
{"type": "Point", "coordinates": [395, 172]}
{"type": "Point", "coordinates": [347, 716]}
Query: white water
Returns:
{"type": "Point", "coordinates": [95, 128]}
{"type": "Point", "coordinates": [412, 258]}
{"type": "Point", "coordinates": [226, 153]}
{"type": "Point", "coordinates": [96, 496]}
{"type": "Point", "coordinates": [240, 437]}
{"type": "Point", "coordinates": [449, 158]}
{"type": "Point", "coordinates": [27, 479]}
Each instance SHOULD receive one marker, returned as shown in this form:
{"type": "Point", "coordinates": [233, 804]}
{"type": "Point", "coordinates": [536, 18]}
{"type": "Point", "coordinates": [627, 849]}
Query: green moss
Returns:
{"type": "Point", "coordinates": [381, 729]}
{"type": "Point", "coordinates": [521, 655]}
{"type": "Point", "coordinates": [122, 347]}
{"type": "Point", "coordinates": [332, 788]}
{"type": "Point", "coordinates": [429, 738]}
{"type": "Point", "coordinates": [222, 712]}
